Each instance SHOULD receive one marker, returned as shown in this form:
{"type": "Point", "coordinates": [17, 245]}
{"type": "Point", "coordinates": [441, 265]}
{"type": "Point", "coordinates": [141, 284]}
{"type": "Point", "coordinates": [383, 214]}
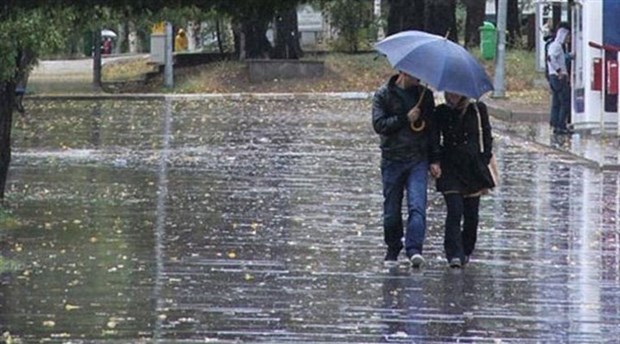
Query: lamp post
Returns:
{"type": "Point", "coordinates": [500, 56]}
{"type": "Point", "coordinates": [168, 57]}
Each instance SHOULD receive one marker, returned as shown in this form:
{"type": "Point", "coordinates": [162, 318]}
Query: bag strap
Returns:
{"type": "Point", "coordinates": [481, 133]}
{"type": "Point", "coordinates": [480, 139]}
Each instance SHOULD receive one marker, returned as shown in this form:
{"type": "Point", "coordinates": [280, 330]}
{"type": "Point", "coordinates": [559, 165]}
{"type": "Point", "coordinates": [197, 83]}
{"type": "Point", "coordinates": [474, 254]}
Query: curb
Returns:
{"type": "Point", "coordinates": [201, 96]}
{"type": "Point", "coordinates": [538, 118]}
{"type": "Point", "coordinates": [513, 116]}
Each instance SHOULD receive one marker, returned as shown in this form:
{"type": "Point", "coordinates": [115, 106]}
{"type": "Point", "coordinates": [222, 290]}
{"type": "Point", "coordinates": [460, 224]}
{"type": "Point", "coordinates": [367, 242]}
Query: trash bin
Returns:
{"type": "Point", "coordinates": [488, 40]}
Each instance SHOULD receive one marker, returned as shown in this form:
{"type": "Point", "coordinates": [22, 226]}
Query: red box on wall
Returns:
{"type": "Point", "coordinates": [612, 77]}
{"type": "Point", "coordinates": [597, 77]}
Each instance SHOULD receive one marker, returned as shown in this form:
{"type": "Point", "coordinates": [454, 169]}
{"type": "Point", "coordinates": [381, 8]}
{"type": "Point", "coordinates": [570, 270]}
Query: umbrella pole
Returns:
{"type": "Point", "coordinates": [421, 97]}
{"type": "Point", "coordinates": [423, 123]}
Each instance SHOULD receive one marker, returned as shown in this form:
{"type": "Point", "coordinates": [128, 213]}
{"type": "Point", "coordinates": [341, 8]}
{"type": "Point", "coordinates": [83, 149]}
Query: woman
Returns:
{"type": "Point", "coordinates": [463, 133]}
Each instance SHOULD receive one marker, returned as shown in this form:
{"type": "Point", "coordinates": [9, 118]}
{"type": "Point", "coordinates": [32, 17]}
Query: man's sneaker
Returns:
{"type": "Point", "coordinates": [466, 260]}
{"type": "Point", "coordinates": [455, 263]}
{"type": "Point", "coordinates": [417, 260]}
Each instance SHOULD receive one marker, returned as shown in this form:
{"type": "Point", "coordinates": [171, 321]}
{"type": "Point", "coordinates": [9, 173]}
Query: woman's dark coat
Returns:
{"type": "Point", "coordinates": [463, 165]}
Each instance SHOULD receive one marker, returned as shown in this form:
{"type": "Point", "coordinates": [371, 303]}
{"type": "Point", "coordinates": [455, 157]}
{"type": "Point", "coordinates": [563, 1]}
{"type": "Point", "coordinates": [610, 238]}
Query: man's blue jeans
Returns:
{"type": "Point", "coordinates": [560, 101]}
{"type": "Point", "coordinates": [397, 177]}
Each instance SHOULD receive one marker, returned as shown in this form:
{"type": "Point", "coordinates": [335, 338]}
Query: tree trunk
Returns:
{"type": "Point", "coordinates": [405, 15]}
{"type": "Point", "coordinates": [7, 104]}
{"type": "Point", "coordinates": [133, 38]}
{"type": "Point", "coordinates": [378, 19]}
{"type": "Point", "coordinates": [556, 15]}
{"type": "Point", "coordinates": [475, 18]}
{"type": "Point", "coordinates": [191, 36]}
{"type": "Point", "coordinates": [239, 38]}
{"type": "Point", "coordinates": [97, 61]}
{"type": "Point", "coordinates": [531, 32]}
{"type": "Point", "coordinates": [121, 40]}
{"type": "Point", "coordinates": [440, 18]}
{"type": "Point", "coordinates": [513, 24]}
{"type": "Point", "coordinates": [255, 39]}
{"type": "Point", "coordinates": [218, 32]}
{"type": "Point", "coordinates": [287, 35]}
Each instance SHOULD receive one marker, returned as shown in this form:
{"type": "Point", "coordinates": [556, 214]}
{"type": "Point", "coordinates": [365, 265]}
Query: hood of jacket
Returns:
{"type": "Point", "coordinates": [561, 35]}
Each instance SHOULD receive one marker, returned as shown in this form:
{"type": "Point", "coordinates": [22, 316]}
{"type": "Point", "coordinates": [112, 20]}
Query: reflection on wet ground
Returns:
{"type": "Point", "coordinates": [259, 221]}
{"type": "Point", "coordinates": [602, 151]}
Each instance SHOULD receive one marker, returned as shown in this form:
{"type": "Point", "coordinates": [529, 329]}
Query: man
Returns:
{"type": "Point", "coordinates": [401, 115]}
{"type": "Point", "coordinates": [559, 81]}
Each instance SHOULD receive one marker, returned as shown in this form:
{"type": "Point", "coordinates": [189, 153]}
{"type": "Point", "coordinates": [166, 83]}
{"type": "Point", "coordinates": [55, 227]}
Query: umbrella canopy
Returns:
{"type": "Point", "coordinates": [437, 61]}
{"type": "Point", "coordinates": [108, 33]}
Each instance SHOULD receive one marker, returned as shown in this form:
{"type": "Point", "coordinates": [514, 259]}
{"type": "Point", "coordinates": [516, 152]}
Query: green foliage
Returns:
{"type": "Point", "coordinates": [241, 10]}
{"type": "Point", "coordinates": [45, 27]}
{"type": "Point", "coordinates": [350, 17]}
{"type": "Point", "coordinates": [179, 16]}
{"type": "Point", "coordinates": [35, 31]}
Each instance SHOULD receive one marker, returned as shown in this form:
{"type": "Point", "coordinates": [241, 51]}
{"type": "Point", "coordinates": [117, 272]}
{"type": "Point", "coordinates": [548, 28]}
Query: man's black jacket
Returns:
{"type": "Point", "coordinates": [389, 120]}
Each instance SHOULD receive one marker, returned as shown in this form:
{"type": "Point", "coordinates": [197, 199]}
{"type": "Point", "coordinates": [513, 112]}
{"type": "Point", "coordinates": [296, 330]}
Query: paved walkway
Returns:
{"type": "Point", "coordinates": [77, 67]}
{"type": "Point", "coordinates": [254, 219]}
{"type": "Point", "coordinates": [257, 220]}
{"type": "Point", "coordinates": [527, 121]}
{"type": "Point", "coordinates": [70, 78]}
{"type": "Point", "coordinates": [530, 122]}
{"type": "Point", "coordinates": [67, 76]}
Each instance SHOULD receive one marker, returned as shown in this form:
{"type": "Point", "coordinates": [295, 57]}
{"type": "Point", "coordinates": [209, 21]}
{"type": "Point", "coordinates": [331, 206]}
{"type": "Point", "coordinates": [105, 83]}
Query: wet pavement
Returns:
{"type": "Point", "coordinates": [601, 151]}
{"type": "Point", "coordinates": [258, 221]}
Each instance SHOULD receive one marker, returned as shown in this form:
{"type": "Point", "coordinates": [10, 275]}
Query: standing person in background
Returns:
{"type": "Point", "coordinates": [559, 81]}
{"type": "Point", "coordinates": [464, 131]}
{"type": "Point", "coordinates": [402, 116]}
{"type": "Point", "coordinates": [107, 46]}
{"type": "Point", "coordinates": [180, 41]}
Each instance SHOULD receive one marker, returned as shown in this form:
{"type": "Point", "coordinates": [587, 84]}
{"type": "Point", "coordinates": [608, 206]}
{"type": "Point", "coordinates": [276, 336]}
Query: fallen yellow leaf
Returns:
{"type": "Point", "coordinates": [69, 307]}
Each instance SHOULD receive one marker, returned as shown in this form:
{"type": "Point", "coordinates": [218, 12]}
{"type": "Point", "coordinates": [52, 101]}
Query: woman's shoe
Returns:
{"type": "Point", "coordinates": [455, 263]}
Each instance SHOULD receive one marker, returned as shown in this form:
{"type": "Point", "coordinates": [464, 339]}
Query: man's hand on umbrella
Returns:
{"type": "Point", "coordinates": [413, 114]}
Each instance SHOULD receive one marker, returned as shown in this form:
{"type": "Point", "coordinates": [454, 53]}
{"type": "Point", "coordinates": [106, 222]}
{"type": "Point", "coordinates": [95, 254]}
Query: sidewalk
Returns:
{"type": "Point", "coordinates": [68, 79]}
{"type": "Point", "coordinates": [256, 220]}
{"type": "Point", "coordinates": [67, 76]}
{"type": "Point", "coordinates": [530, 122]}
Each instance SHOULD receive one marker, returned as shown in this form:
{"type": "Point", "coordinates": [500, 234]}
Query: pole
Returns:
{"type": "Point", "coordinates": [540, 48]}
{"type": "Point", "coordinates": [500, 56]}
{"type": "Point", "coordinates": [603, 90]}
{"type": "Point", "coordinates": [168, 59]}
{"type": "Point", "coordinates": [97, 60]}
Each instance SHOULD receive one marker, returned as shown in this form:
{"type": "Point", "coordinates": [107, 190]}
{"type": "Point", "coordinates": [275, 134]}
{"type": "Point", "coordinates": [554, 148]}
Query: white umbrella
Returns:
{"type": "Point", "coordinates": [108, 33]}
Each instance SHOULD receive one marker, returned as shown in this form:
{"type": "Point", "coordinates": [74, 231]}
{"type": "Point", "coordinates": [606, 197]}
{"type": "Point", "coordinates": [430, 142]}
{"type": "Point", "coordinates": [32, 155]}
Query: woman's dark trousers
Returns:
{"type": "Point", "coordinates": [458, 242]}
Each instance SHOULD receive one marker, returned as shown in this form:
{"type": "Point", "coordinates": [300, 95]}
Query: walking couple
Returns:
{"type": "Point", "coordinates": [451, 141]}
